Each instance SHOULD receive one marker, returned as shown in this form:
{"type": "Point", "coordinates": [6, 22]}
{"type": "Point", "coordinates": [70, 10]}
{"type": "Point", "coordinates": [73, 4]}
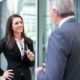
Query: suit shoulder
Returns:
{"type": "Point", "coordinates": [2, 43]}
{"type": "Point", "coordinates": [28, 40]}
{"type": "Point", "coordinates": [3, 40]}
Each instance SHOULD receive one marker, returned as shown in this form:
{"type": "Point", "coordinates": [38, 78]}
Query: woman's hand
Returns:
{"type": "Point", "coordinates": [8, 74]}
{"type": "Point", "coordinates": [30, 55]}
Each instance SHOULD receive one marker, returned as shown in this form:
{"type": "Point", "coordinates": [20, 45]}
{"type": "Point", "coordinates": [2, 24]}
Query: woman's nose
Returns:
{"type": "Point", "coordinates": [20, 24]}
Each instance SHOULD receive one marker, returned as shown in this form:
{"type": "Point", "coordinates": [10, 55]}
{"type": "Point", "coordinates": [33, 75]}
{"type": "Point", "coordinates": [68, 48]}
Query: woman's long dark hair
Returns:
{"type": "Point", "coordinates": [9, 33]}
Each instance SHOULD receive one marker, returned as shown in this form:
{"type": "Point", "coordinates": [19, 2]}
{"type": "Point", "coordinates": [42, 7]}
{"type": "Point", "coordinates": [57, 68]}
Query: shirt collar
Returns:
{"type": "Point", "coordinates": [65, 19]}
{"type": "Point", "coordinates": [22, 40]}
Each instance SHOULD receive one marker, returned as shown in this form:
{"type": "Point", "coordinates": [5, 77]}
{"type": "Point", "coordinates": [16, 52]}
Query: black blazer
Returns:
{"type": "Point", "coordinates": [13, 56]}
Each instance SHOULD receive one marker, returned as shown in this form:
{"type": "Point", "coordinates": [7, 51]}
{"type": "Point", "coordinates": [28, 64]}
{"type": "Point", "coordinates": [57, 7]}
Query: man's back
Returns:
{"type": "Point", "coordinates": [71, 31]}
{"type": "Point", "coordinates": [64, 51]}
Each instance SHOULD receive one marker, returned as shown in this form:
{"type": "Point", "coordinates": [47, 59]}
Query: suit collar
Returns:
{"type": "Point", "coordinates": [66, 19]}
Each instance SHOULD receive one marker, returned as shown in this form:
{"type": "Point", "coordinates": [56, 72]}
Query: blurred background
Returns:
{"type": "Point", "coordinates": [37, 24]}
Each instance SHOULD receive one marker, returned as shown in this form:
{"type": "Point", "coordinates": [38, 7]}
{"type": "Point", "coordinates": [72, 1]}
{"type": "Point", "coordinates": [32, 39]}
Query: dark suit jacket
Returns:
{"type": "Point", "coordinates": [13, 56]}
{"type": "Point", "coordinates": [63, 53]}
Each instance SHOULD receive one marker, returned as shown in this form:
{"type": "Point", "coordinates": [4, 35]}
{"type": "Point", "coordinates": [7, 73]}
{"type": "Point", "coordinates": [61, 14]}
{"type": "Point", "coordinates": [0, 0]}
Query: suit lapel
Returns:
{"type": "Point", "coordinates": [17, 51]}
{"type": "Point", "coordinates": [26, 45]}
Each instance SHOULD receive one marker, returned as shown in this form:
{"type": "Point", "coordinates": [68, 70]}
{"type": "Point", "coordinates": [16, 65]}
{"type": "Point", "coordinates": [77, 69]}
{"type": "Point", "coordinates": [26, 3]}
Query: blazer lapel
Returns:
{"type": "Point", "coordinates": [17, 51]}
{"type": "Point", "coordinates": [26, 46]}
{"type": "Point", "coordinates": [16, 48]}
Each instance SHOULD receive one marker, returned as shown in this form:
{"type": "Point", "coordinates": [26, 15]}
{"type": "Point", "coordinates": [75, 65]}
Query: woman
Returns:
{"type": "Point", "coordinates": [17, 49]}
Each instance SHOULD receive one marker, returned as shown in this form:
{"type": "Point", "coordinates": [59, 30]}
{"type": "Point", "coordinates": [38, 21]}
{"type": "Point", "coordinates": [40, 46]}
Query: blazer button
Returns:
{"type": "Point", "coordinates": [21, 74]}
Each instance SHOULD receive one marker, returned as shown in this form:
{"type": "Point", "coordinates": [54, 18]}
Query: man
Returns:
{"type": "Point", "coordinates": [63, 52]}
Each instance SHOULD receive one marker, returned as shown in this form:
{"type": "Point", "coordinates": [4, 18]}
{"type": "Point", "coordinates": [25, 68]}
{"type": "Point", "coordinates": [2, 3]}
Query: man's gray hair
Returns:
{"type": "Point", "coordinates": [63, 6]}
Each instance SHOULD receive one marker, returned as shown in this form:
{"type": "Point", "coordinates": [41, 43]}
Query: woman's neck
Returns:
{"type": "Point", "coordinates": [18, 36]}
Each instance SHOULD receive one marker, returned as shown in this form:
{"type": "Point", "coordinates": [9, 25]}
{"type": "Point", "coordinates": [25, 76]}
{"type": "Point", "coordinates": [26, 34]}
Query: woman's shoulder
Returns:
{"type": "Point", "coordinates": [28, 40]}
{"type": "Point", "coordinates": [3, 39]}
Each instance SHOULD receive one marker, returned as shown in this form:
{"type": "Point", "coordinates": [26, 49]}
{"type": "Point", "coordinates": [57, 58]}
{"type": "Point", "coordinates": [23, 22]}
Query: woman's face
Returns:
{"type": "Point", "coordinates": [17, 25]}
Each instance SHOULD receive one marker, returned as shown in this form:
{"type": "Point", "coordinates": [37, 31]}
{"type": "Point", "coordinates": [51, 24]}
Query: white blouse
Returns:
{"type": "Point", "coordinates": [2, 78]}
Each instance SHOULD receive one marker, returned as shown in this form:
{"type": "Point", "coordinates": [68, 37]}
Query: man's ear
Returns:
{"type": "Point", "coordinates": [56, 12]}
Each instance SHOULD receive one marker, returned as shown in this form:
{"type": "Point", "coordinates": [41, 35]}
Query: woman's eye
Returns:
{"type": "Point", "coordinates": [21, 22]}
{"type": "Point", "coordinates": [16, 23]}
